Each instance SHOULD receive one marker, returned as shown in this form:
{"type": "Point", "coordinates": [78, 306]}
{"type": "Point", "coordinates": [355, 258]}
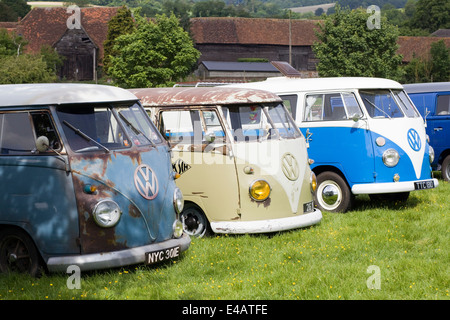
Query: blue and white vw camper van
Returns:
{"type": "Point", "coordinates": [364, 135]}
{"type": "Point", "coordinates": [433, 102]}
{"type": "Point", "coordinates": [86, 180]}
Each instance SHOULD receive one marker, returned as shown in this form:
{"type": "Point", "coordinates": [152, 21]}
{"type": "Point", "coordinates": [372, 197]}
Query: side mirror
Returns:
{"type": "Point", "coordinates": [356, 117]}
{"type": "Point", "coordinates": [210, 137]}
{"type": "Point", "coordinates": [42, 144]}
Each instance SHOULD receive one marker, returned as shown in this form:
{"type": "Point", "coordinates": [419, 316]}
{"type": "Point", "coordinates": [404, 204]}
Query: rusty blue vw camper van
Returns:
{"type": "Point", "coordinates": [86, 180]}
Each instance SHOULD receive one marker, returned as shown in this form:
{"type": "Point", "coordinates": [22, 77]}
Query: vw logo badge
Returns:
{"type": "Point", "coordinates": [289, 166]}
{"type": "Point", "coordinates": [146, 182]}
{"type": "Point", "coordinates": [414, 140]}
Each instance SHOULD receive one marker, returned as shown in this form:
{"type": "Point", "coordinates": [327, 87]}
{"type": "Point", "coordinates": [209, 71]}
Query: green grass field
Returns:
{"type": "Point", "coordinates": [375, 251]}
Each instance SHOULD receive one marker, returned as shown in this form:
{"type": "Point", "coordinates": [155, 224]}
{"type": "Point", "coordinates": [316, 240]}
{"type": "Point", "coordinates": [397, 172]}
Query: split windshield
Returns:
{"type": "Point", "coordinates": [257, 123]}
{"type": "Point", "coordinates": [248, 123]}
{"type": "Point", "coordinates": [386, 103]}
{"type": "Point", "coordinates": [106, 127]}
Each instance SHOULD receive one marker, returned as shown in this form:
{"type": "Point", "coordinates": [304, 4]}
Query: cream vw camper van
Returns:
{"type": "Point", "coordinates": [241, 160]}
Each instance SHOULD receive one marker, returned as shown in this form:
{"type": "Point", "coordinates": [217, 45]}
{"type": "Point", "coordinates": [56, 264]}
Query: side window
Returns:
{"type": "Point", "coordinates": [443, 105]}
{"type": "Point", "coordinates": [16, 134]}
{"type": "Point", "coordinates": [178, 126]}
{"type": "Point", "coordinates": [331, 107]}
{"type": "Point", "coordinates": [313, 108]}
{"type": "Point", "coordinates": [192, 127]}
{"type": "Point", "coordinates": [43, 126]}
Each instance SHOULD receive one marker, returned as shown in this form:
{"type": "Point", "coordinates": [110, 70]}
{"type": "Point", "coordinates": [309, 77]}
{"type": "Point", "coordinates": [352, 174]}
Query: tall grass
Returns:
{"type": "Point", "coordinates": [405, 246]}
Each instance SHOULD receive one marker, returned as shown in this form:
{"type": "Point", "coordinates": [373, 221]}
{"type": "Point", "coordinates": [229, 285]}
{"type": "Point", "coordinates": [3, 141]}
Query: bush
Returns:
{"type": "Point", "coordinates": [25, 69]}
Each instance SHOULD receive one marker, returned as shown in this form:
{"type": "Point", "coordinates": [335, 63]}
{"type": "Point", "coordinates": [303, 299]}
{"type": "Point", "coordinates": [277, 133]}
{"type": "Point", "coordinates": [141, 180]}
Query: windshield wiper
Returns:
{"type": "Point", "coordinates": [136, 130]}
{"type": "Point", "coordinates": [377, 107]}
{"type": "Point", "coordinates": [85, 136]}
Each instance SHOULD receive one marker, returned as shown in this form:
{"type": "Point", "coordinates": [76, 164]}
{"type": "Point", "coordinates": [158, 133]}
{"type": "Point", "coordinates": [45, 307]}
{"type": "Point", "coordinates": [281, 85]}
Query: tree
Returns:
{"type": "Point", "coordinates": [434, 68]}
{"type": "Point", "coordinates": [16, 67]}
{"type": "Point", "coordinates": [431, 15]}
{"type": "Point", "coordinates": [440, 61]}
{"type": "Point", "coordinates": [25, 69]}
{"type": "Point", "coordinates": [10, 10]}
{"type": "Point", "coordinates": [121, 23]}
{"type": "Point", "coordinates": [10, 44]}
{"type": "Point", "coordinates": [349, 46]}
{"type": "Point", "coordinates": [158, 53]}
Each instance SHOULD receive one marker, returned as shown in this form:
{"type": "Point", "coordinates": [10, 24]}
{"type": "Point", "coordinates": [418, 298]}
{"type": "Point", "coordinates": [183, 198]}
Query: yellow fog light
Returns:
{"type": "Point", "coordinates": [313, 182]}
{"type": "Point", "coordinates": [259, 190]}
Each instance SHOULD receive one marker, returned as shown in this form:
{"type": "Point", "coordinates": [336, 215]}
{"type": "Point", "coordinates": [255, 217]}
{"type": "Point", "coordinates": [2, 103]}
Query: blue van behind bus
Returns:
{"type": "Point", "coordinates": [433, 102]}
{"type": "Point", "coordinates": [86, 180]}
{"type": "Point", "coordinates": [364, 135]}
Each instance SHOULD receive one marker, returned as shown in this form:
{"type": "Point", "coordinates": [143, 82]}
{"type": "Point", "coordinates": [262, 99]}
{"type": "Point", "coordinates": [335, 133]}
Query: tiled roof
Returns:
{"type": "Point", "coordinates": [253, 31]}
{"type": "Point", "coordinates": [46, 25]}
{"type": "Point", "coordinates": [10, 26]}
{"type": "Point", "coordinates": [417, 46]}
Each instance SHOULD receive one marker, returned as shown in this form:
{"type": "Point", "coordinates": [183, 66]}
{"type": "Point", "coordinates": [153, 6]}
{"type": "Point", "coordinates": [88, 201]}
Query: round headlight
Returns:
{"type": "Point", "coordinates": [313, 182]}
{"type": "Point", "coordinates": [391, 157]}
{"type": "Point", "coordinates": [178, 200]}
{"type": "Point", "coordinates": [431, 153]}
{"type": "Point", "coordinates": [106, 213]}
{"type": "Point", "coordinates": [259, 190]}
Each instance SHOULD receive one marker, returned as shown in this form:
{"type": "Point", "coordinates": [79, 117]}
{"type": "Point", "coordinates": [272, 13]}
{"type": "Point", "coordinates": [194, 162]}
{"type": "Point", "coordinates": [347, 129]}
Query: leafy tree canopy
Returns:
{"type": "Point", "coordinates": [348, 47]}
{"type": "Point", "coordinates": [158, 53]}
{"type": "Point", "coordinates": [11, 10]}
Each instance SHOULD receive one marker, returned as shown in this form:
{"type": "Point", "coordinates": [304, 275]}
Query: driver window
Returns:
{"type": "Point", "coordinates": [331, 107]}
{"type": "Point", "coordinates": [18, 132]}
{"type": "Point", "coordinates": [180, 126]}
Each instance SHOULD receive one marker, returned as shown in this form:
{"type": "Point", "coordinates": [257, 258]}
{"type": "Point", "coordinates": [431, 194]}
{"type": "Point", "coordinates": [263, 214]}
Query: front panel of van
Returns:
{"type": "Point", "coordinates": [141, 190]}
{"type": "Point", "coordinates": [122, 177]}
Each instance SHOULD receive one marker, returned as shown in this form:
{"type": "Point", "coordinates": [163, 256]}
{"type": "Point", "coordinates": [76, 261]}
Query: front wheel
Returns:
{"type": "Point", "coordinates": [194, 221]}
{"type": "Point", "coordinates": [18, 253]}
{"type": "Point", "coordinates": [333, 193]}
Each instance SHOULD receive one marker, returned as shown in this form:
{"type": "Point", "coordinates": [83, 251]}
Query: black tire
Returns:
{"type": "Point", "coordinates": [332, 193]}
{"type": "Point", "coordinates": [195, 222]}
{"type": "Point", "coordinates": [445, 168]}
{"type": "Point", "coordinates": [18, 253]}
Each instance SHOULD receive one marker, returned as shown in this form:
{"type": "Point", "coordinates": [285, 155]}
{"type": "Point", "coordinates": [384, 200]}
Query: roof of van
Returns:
{"type": "Point", "coordinates": [286, 84]}
{"type": "Point", "coordinates": [60, 93]}
{"type": "Point", "coordinates": [196, 96]}
{"type": "Point", "coordinates": [427, 87]}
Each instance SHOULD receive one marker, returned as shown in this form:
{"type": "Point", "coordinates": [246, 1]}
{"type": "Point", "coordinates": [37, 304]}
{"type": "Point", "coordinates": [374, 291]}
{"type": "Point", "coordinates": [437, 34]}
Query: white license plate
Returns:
{"type": "Point", "coordinates": [161, 255]}
{"type": "Point", "coordinates": [421, 185]}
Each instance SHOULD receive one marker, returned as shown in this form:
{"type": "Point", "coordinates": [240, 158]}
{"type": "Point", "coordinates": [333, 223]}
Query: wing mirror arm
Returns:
{"type": "Point", "coordinates": [43, 145]}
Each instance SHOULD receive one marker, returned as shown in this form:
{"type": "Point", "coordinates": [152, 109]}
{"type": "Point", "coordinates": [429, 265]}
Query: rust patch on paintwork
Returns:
{"type": "Point", "coordinates": [94, 239]}
{"type": "Point", "coordinates": [133, 211]}
{"type": "Point", "coordinates": [188, 96]}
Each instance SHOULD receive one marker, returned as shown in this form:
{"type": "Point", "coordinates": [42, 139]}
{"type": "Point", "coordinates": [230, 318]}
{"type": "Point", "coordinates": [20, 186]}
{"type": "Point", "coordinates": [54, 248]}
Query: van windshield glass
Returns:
{"type": "Point", "coordinates": [106, 127]}
{"type": "Point", "coordinates": [385, 103]}
{"type": "Point", "coordinates": [257, 123]}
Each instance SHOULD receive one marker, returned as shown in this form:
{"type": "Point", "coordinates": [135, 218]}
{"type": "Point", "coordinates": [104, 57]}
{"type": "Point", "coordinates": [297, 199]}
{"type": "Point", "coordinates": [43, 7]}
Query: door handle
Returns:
{"type": "Point", "coordinates": [438, 129]}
